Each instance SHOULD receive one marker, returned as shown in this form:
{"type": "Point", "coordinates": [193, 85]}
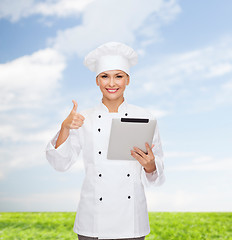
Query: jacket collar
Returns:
{"type": "Point", "coordinates": [122, 108]}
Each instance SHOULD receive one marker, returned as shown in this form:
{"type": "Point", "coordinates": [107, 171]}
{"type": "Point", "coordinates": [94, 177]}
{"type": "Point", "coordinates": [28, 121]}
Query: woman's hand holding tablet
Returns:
{"type": "Point", "coordinates": [146, 160]}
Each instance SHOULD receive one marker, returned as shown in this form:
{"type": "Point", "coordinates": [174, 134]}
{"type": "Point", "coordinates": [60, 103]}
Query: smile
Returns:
{"type": "Point", "coordinates": [111, 90]}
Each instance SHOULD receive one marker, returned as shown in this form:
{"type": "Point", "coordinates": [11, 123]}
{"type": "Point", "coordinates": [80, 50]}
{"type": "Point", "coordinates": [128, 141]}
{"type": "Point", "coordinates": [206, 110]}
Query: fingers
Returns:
{"type": "Point", "coordinates": [75, 124]}
{"type": "Point", "coordinates": [140, 152]}
{"type": "Point", "coordinates": [78, 117]}
{"type": "Point", "coordinates": [138, 157]}
{"type": "Point", "coordinates": [74, 105]}
{"type": "Point", "coordinates": [74, 119]}
{"type": "Point", "coordinates": [146, 160]}
{"type": "Point", "coordinates": [149, 151]}
{"type": "Point", "coordinates": [77, 121]}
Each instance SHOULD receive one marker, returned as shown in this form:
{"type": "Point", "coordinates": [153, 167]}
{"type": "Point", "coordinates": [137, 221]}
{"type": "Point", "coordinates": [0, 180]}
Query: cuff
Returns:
{"type": "Point", "coordinates": [149, 178]}
{"type": "Point", "coordinates": [63, 150]}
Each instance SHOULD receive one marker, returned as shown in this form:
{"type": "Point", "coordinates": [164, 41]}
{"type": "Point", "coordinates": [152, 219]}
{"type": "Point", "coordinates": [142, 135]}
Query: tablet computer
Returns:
{"type": "Point", "coordinates": [127, 133]}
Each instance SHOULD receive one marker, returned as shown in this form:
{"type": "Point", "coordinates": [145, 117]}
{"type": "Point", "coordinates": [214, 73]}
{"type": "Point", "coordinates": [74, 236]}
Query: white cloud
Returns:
{"type": "Point", "coordinates": [28, 80]}
{"type": "Point", "coordinates": [194, 161]}
{"type": "Point", "coordinates": [173, 201]}
{"type": "Point", "coordinates": [15, 10]}
{"type": "Point", "coordinates": [219, 69]}
{"type": "Point", "coordinates": [61, 8]}
{"type": "Point", "coordinates": [15, 157]}
{"type": "Point", "coordinates": [180, 154]}
{"type": "Point", "coordinates": [178, 69]}
{"type": "Point", "coordinates": [183, 200]}
{"type": "Point", "coordinates": [205, 73]}
{"type": "Point", "coordinates": [27, 85]}
{"type": "Point", "coordinates": [204, 163]}
{"type": "Point", "coordinates": [224, 95]}
{"type": "Point", "coordinates": [54, 201]}
{"type": "Point", "coordinates": [202, 159]}
{"type": "Point", "coordinates": [105, 20]}
{"type": "Point", "coordinates": [158, 113]}
{"type": "Point", "coordinates": [31, 154]}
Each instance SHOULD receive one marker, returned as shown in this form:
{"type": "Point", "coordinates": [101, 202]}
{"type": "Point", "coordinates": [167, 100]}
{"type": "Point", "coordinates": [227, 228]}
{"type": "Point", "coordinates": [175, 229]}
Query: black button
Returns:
{"type": "Point", "coordinates": [126, 114]}
{"type": "Point", "coordinates": [99, 116]}
{"type": "Point", "coordinates": [129, 197]}
{"type": "Point", "coordinates": [99, 152]}
{"type": "Point", "coordinates": [128, 175]}
{"type": "Point", "coordinates": [100, 199]}
{"type": "Point", "coordinates": [100, 175]}
{"type": "Point", "coordinates": [99, 129]}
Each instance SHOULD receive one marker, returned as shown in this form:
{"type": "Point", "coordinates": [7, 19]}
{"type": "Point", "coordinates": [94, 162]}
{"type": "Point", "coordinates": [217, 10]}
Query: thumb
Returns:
{"type": "Point", "coordinates": [74, 105]}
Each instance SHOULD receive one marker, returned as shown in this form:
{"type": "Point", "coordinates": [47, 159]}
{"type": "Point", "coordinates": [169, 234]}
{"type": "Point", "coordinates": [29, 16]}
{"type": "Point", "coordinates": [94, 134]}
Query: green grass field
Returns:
{"type": "Point", "coordinates": [58, 225]}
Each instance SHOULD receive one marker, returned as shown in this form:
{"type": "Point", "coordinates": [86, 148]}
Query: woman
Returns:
{"type": "Point", "coordinates": [112, 203]}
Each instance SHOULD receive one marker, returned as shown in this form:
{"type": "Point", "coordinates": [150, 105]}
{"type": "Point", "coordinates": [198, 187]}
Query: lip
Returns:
{"type": "Point", "coordinates": [112, 90]}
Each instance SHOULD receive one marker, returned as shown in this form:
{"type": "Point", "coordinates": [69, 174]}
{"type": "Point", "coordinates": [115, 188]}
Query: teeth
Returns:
{"type": "Point", "coordinates": [112, 90]}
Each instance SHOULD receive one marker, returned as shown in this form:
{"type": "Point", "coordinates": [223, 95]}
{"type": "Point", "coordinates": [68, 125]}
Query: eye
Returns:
{"type": "Point", "coordinates": [104, 76]}
{"type": "Point", "coordinates": [119, 76]}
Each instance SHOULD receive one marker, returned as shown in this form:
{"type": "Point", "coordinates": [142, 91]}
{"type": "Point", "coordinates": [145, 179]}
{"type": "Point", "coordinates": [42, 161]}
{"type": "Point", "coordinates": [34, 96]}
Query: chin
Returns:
{"type": "Point", "coordinates": [110, 97]}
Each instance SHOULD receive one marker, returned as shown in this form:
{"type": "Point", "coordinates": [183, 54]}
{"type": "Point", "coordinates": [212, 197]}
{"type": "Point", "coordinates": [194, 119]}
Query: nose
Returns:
{"type": "Point", "coordinates": [111, 83]}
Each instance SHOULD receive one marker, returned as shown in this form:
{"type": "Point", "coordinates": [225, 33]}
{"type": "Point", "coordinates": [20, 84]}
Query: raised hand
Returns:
{"type": "Point", "coordinates": [74, 120]}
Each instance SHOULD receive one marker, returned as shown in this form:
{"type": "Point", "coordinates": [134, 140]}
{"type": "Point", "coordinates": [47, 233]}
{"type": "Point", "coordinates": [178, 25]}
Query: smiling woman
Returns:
{"type": "Point", "coordinates": [112, 203]}
{"type": "Point", "coordinates": [112, 85]}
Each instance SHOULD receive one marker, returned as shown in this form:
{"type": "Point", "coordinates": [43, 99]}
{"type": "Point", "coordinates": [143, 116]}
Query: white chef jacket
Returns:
{"type": "Point", "coordinates": [112, 202]}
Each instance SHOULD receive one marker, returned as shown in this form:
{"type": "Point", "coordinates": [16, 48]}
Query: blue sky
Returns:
{"type": "Point", "coordinates": [184, 76]}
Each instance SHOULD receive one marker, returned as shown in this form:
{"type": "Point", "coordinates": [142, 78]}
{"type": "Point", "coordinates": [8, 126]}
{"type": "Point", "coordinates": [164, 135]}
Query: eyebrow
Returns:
{"type": "Point", "coordinates": [104, 73]}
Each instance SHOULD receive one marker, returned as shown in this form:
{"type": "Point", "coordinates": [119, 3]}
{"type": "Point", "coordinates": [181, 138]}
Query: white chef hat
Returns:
{"type": "Point", "coordinates": [111, 56]}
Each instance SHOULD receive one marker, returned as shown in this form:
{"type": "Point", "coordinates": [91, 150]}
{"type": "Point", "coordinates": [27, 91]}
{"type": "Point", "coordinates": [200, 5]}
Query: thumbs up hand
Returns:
{"type": "Point", "coordinates": [74, 105]}
{"type": "Point", "coordinates": [74, 120]}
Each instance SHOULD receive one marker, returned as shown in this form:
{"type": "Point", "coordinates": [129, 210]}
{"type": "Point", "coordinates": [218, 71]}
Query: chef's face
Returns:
{"type": "Point", "coordinates": [113, 83]}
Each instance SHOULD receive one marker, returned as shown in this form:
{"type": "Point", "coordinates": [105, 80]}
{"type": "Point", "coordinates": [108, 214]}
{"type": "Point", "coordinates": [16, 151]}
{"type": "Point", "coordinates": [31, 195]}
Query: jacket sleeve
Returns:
{"type": "Point", "coordinates": [66, 154]}
{"type": "Point", "coordinates": [157, 177]}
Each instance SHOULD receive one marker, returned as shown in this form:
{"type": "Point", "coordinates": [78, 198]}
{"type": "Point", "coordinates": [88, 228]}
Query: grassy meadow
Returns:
{"type": "Point", "coordinates": [165, 226]}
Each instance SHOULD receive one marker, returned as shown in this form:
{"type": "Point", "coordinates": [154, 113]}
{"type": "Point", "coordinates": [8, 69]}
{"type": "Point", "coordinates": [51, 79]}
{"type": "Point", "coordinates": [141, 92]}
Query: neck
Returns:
{"type": "Point", "coordinates": [112, 105]}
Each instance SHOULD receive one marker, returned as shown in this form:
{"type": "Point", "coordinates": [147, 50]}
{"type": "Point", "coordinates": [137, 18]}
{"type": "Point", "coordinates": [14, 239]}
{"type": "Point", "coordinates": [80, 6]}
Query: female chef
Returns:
{"type": "Point", "coordinates": [112, 202]}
